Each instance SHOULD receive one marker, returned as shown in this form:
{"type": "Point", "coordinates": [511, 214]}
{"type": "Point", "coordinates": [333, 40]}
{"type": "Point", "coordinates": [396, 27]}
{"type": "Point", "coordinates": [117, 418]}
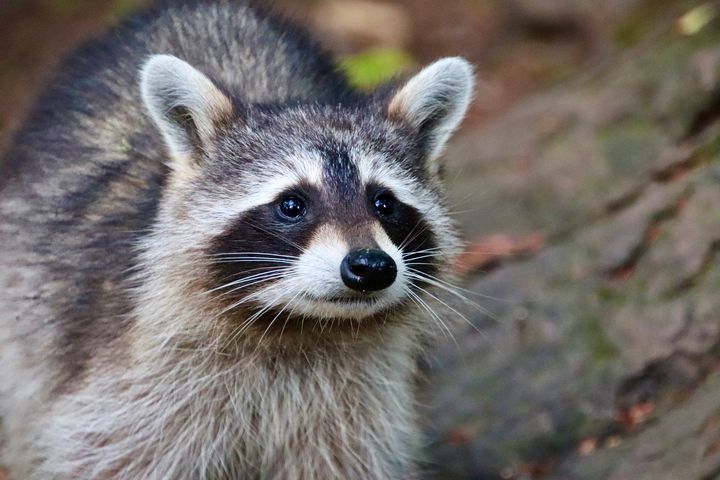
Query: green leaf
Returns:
{"type": "Point", "coordinates": [697, 18]}
{"type": "Point", "coordinates": [373, 67]}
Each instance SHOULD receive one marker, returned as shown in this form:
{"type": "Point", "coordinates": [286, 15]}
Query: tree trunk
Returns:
{"type": "Point", "coordinates": [598, 355]}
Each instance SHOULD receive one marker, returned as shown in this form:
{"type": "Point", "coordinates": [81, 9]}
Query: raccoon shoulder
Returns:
{"type": "Point", "coordinates": [93, 101]}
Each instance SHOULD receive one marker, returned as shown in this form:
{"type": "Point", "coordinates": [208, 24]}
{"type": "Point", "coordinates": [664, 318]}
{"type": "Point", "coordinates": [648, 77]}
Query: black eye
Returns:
{"type": "Point", "coordinates": [292, 207]}
{"type": "Point", "coordinates": [384, 204]}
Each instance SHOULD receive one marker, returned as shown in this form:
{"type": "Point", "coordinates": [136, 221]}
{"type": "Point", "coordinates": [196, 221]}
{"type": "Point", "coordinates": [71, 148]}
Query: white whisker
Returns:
{"type": "Point", "coordinates": [474, 327]}
{"type": "Point", "coordinates": [276, 317]}
{"type": "Point", "coordinates": [254, 260]}
{"type": "Point", "coordinates": [457, 287]}
{"type": "Point", "coordinates": [423, 304]}
{"type": "Point", "coordinates": [267, 273]}
{"type": "Point", "coordinates": [436, 283]}
{"type": "Point", "coordinates": [248, 254]}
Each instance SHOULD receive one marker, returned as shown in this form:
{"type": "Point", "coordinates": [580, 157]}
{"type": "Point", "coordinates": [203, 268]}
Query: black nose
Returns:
{"type": "Point", "coordinates": [368, 270]}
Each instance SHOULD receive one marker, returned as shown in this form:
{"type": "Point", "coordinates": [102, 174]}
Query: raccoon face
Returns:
{"type": "Point", "coordinates": [307, 211]}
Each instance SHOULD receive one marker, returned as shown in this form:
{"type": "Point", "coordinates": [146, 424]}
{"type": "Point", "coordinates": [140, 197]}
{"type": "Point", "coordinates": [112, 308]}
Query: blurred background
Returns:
{"type": "Point", "coordinates": [586, 182]}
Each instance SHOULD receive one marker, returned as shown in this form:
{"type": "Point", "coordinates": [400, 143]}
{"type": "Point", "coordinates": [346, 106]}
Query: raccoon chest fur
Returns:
{"type": "Point", "coordinates": [219, 260]}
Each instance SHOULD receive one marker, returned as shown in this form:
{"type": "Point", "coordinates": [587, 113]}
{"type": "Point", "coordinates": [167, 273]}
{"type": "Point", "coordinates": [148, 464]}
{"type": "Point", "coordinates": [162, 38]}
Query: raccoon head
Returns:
{"type": "Point", "coordinates": [301, 210]}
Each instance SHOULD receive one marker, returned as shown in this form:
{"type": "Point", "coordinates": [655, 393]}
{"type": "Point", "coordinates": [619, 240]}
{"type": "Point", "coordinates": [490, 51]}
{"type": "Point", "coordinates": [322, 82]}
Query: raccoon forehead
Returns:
{"type": "Point", "coordinates": [340, 174]}
{"type": "Point", "coordinates": [333, 168]}
{"type": "Point", "coordinates": [379, 169]}
{"type": "Point", "coordinates": [243, 187]}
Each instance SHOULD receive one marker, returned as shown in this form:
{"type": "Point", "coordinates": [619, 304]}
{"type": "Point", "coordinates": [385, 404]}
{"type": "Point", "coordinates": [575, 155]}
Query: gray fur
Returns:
{"type": "Point", "coordinates": [115, 361]}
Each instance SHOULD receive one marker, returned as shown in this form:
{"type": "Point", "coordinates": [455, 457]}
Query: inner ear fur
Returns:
{"type": "Point", "coordinates": [435, 102]}
{"type": "Point", "coordinates": [185, 105]}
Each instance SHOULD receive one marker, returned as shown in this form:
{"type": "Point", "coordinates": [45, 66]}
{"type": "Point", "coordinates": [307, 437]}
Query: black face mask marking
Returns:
{"type": "Point", "coordinates": [268, 239]}
{"type": "Point", "coordinates": [263, 241]}
{"type": "Point", "coordinates": [405, 226]}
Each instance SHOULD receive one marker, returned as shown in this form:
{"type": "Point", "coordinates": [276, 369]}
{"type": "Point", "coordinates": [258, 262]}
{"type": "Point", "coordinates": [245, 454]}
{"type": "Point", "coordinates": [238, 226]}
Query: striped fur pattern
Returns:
{"type": "Point", "coordinates": [159, 318]}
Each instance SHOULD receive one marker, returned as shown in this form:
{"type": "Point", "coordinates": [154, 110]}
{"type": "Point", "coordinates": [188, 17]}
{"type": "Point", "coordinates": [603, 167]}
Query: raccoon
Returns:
{"type": "Point", "coordinates": [217, 257]}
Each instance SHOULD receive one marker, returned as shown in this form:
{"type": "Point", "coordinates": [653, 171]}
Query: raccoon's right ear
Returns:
{"type": "Point", "coordinates": [185, 105]}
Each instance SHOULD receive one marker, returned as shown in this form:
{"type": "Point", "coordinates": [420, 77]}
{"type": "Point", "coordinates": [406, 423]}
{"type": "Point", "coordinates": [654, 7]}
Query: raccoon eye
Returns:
{"type": "Point", "coordinates": [384, 204]}
{"type": "Point", "coordinates": [292, 207]}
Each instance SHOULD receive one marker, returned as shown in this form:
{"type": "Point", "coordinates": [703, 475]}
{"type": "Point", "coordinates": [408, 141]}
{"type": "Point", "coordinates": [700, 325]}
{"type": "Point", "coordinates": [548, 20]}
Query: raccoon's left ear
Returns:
{"type": "Point", "coordinates": [185, 105]}
{"type": "Point", "coordinates": [435, 101]}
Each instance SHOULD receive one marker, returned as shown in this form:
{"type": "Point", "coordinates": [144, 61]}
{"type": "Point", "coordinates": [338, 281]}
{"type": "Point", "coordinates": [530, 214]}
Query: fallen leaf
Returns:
{"type": "Point", "coordinates": [635, 415]}
{"type": "Point", "coordinates": [499, 247]}
{"type": "Point", "coordinates": [712, 449]}
{"type": "Point", "coordinates": [459, 437]}
{"type": "Point", "coordinates": [697, 18]}
{"type": "Point", "coordinates": [587, 446]}
{"type": "Point", "coordinates": [613, 441]}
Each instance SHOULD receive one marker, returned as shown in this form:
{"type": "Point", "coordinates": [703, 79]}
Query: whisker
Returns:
{"type": "Point", "coordinates": [287, 319]}
{"type": "Point", "coordinates": [457, 294]}
{"type": "Point", "coordinates": [422, 303]}
{"type": "Point", "coordinates": [255, 260]}
{"type": "Point", "coordinates": [268, 272]}
{"type": "Point", "coordinates": [412, 273]}
{"type": "Point", "coordinates": [421, 257]}
{"type": "Point", "coordinates": [277, 316]}
{"type": "Point", "coordinates": [243, 327]}
{"type": "Point", "coordinates": [247, 323]}
{"type": "Point", "coordinates": [263, 270]}
{"type": "Point", "coordinates": [408, 239]}
{"type": "Point", "coordinates": [474, 327]}
{"type": "Point", "coordinates": [246, 298]}
{"type": "Point", "coordinates": [274, 234]}
{"type": "Point", "coordinates": [409, 264]}
{"type": "Point", "coordinates": [458, 287]}
{"type": "Point", "coordinates": [438, 250]}
{"type": "Point", "coordinates": [255, 282]}
{"type": "Point", "coordinates": [262, 254]}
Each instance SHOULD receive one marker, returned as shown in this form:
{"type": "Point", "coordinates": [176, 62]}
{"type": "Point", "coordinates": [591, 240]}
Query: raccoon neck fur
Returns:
{"type": "Point", "coordinates": [336, 410]}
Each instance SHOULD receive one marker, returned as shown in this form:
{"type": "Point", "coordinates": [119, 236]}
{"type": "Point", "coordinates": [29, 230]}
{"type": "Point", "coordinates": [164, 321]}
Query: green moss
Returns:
{"type": "Point", "coordinates": [697, 18]}
{"type": "Point", "coordinates": [638, 23]}
{"type": "Point", "coordinates": [372, 67]}
{"type": "Point", "coordinates": [118, 9]}
{"type": "Point", "coordinates": [600, 347]}
{"type": "Point", "coordinates": [124, 8]}
{"type": "Point", "coordinates": [651, 16]}
{"type": "Point", "coordinates": [570, 426]}
{"type": "Point", "coordinates": [125, 146]}
{"type": "Point", "coordinates": [68, 6]}
{"type": "Point", "coordinates": [631, 146]}
{"type": "Point", "coordinates": [606, 294]}
{"type": "Point", "coordinates": [710, 149]}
